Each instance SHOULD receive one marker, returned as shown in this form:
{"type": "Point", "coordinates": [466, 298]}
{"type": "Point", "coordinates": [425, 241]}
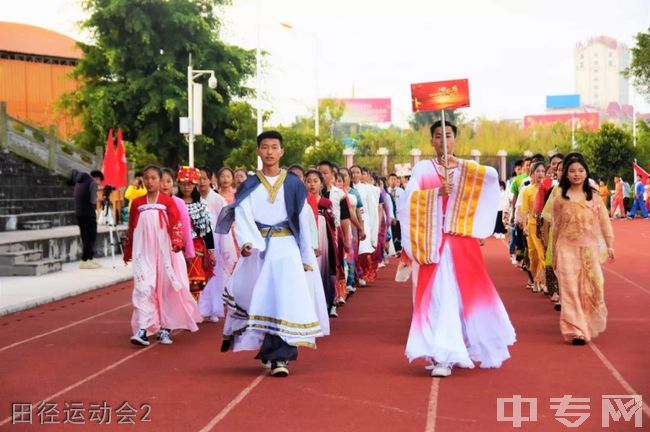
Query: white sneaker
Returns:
{"type": "Point", "coordinates": [362, 282]}
{"type": "Point", "coordinates": [211, 318]}
{"type": "Point", "coordinates": [86, 265]}
{"type": "Point", "coordinates": [333, 312]}
{"type": "Point", "coordinates": [351, 289]}
{"type": "Point", "coordinates": [165, 337]}
{"type": "Point", "coordinates": [95, 264]}
{"type": "Point", "coordinates": [140, 338]}
{"type": "Point", "coordinates": [381, 265]}
{"type": "Point", "coordinates": [440, 371]}
{"type": "Point", "coordinates": [266, 365]}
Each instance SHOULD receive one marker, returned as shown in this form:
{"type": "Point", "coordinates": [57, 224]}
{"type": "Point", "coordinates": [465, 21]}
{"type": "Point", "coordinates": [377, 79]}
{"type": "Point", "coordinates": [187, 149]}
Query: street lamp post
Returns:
{"type": "Point", "coordinates": [212, 83]}
{"type": "Point", "coordinates": [316, 55]}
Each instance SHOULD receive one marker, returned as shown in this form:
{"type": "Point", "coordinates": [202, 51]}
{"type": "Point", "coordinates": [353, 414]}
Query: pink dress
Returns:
{"type": "Point", "coordinates": [161, 296]}
{"type": "Point", "coordinates": [228, 195]}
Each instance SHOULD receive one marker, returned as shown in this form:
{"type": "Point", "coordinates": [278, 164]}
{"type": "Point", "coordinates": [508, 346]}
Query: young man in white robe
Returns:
{"type": "Point", "coordinates": [370, 200]}
{"type": "Point", "coordinates": [275, 298]}
{"type": "Point", "coordinates": [458, 317]}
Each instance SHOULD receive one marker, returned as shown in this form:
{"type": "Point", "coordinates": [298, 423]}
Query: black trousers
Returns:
{"type": "Point", "coordinates": [88, 231]}
{"type": "Point", "coordinates": [397, 236]}
{"type": "Point", "coordinates": [274, 348]}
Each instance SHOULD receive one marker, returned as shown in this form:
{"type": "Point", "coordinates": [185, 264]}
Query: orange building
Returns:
{"type": "Point", "coordinates": [35, 68]}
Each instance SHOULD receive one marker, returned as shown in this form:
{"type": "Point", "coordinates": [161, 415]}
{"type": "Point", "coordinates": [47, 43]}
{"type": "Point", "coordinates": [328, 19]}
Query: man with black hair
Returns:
{"type": "Point", "coordinates": [396, 193]}
{"type": "Point", "coordinates": [366, 269]}
{"type": "Point", "coordinates": [275, 299]}
{"type": "Point", "coordinates": [85, 208]}
{"type": "Point", "coordinates": [298, 170]}
{"type": "Point", "coordinates": [458, 317]}
{"type": "Point", "coordinates": [342, 242]}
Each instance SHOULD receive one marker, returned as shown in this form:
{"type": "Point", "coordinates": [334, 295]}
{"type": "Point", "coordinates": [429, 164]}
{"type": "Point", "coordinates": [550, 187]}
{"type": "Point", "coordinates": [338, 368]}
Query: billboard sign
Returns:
{"type": "Point", "coordinates": [403, 169]}
{"type": "Point", "coordinates": [368, 110]}
{"type": "Point", "coordinates": [588, 121]}
{"type": "Point", "coordinates": [563, 101]}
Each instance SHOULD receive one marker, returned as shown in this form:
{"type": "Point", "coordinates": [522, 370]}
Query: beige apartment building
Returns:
{"type": "Point", "coordinates": [598, 65]}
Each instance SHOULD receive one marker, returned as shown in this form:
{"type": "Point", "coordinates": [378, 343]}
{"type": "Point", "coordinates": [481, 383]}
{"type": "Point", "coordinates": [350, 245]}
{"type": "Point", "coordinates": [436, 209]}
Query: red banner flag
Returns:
{"type": "Point", "coordinates": [109, 167]}
{"type": "Point", "coordinates": [120, 157]}
{"type": "Point", "coordinates": [640, 171]}
{"type": "Point", "coordinates": [440, 95]}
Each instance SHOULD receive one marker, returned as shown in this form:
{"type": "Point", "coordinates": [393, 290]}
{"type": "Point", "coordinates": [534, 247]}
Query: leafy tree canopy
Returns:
{"type": "Point", "coordinates": [134, 76]}
{"type": "Point", "coordinates": [639, 68]}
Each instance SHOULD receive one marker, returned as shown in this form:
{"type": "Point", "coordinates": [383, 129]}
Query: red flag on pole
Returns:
{"type": "Point", "coordinates": [640, 171]}
{"type": "Point", "coordinates": [440, 95]}
{"type": "Point", "coordinates": [120, 158]}
{"type": "Point", "coordinates": [109, 167]}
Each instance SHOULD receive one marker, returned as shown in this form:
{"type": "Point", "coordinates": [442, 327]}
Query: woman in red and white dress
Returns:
{"type": "Point", "coordinates": [161, 299]}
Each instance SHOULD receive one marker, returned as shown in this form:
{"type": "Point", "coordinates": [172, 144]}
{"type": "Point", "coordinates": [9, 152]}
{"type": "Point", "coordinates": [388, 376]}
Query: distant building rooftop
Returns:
{"type": "Point", "coordinates": [29, 39]}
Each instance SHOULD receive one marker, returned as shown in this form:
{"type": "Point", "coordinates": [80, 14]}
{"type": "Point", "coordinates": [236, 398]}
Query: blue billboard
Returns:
{"type": "Point", "coordinates": [563, 101]}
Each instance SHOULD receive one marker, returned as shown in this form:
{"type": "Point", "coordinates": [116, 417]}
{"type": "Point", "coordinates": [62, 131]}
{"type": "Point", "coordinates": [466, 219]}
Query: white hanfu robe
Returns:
{"type": "Point", "coordinates": [370, 200]}
{"type": "Point", "coordinates": [211, 300]}
{"type": "Point", "coordinates": [274, 294]}
{"type": "Point", "coordinates": [458, 317]}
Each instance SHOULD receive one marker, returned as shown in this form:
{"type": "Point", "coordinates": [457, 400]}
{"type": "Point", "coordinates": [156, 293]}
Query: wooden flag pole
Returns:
{"type": "Point", "coordinates": [444, 143]}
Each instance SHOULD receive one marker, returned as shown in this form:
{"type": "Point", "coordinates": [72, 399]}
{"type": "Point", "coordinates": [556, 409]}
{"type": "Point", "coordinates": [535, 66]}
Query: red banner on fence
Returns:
{"type": "Point", "coordinates": [439, 95]}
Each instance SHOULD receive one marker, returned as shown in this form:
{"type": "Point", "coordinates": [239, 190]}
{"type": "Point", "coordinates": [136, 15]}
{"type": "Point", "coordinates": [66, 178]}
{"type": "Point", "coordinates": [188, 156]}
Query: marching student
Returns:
{"type": "Point", "coordinates": [155, 234]}
{"type": "Point", "coordinates": [271, 299]}
{"type": "Point", "coordinates": [458, 317]}
{"type": "Point", "coordinates": [582, 239]}
{"type": "Point", "coordinates": [327, 252]}
{"type": "Point", "coordinates": [529, 220]}
{"type": "Point", "coordinates": [211, 301]}
{"type": "Point", "coordinates": [200, 268]}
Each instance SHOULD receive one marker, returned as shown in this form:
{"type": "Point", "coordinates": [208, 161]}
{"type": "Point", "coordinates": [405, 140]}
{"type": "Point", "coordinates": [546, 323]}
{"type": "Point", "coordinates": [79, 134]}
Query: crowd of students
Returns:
{"type": "Point", "coordinates": [285, 249]}
{"type": "Point", "coordinates": [560, 234]}
{"type": "Point", "coordinates": [185, 250]}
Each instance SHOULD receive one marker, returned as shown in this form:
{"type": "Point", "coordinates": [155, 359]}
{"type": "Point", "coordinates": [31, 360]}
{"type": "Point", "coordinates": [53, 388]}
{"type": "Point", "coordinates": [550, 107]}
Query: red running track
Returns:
{"type": "Point", "coordinates": [75, 354]}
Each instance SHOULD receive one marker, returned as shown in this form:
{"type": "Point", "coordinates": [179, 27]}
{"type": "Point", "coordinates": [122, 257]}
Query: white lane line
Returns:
{"type": "Point", "coordinates": [88, 378]}
{"type": "Point", "coordinates": [617, 375]}
{"type": "Point", "coordinates": [233, 403]}
{"type": "Point", "coordinates": [15, 344]}
{"type": "Point", "coordinates": [631, 282]}
{"type": "Point", "coordinates": [433, 406]}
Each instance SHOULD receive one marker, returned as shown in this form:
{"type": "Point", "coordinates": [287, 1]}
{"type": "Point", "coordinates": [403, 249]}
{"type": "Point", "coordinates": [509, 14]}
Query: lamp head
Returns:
{"type": "Point", "coordinates": [212, 81]}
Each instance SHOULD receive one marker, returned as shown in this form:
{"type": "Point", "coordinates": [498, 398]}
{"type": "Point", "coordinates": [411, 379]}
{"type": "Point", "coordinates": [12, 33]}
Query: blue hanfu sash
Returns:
{"type": "Point", "coordinates": [295, 196]}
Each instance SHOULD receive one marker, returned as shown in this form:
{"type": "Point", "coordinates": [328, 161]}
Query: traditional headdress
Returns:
{"type": "Point", "coordinates": [188, 174]}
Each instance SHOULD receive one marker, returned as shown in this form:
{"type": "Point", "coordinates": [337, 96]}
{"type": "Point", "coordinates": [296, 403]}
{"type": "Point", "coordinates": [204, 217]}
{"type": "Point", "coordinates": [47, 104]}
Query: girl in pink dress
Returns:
{"type": "Point", "coordinates": [161, 299]}
{"type": "Point", "coordinates": [226, 178]}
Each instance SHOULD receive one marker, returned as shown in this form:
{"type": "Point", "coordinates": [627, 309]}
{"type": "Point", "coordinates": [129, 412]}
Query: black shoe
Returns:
{"type": "Point", "coordinates": [578, 341]}
{"type": "Point", "coordinates": [557, 307]}
{"type": "Point", "coordinates": [280, 369]}
{"type": "Point", "coordinates": [226, 344]}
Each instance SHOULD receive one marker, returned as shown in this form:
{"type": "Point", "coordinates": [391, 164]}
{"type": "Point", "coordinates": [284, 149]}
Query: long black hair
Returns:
{"type": "Point", "coordinates": [565, 183]}
{"type": "Point", "coordinates": [196, 195]}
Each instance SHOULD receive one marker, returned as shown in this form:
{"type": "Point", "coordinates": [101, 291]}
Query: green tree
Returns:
{"type": "Point", "coordinates": [642, 149]}
{"type": "Point", "coordinates": [134, 76]}
{"type": "Point", "coordinates": [327, 149]}
{"type": "Point", "coordinates": [424, 119]}
{"type": "Point", "coordinates": [639, 68]}
{"type": "Point", "coordinates": [608, 152]}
